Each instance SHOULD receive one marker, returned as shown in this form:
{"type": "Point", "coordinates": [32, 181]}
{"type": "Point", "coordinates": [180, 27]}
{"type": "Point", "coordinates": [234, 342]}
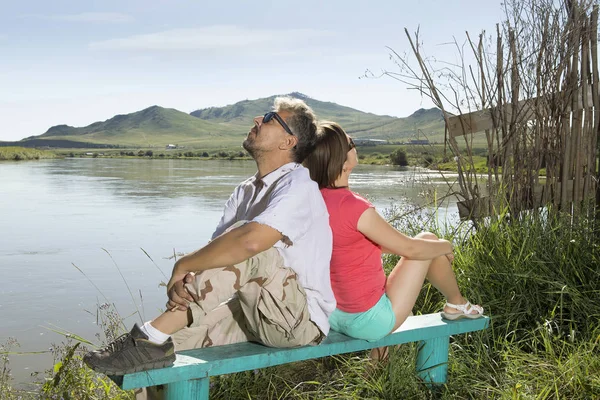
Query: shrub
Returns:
{"type": "Point", "coordinates": [398, 157]}
{"type": "Point", "coordinates": [23, 153]}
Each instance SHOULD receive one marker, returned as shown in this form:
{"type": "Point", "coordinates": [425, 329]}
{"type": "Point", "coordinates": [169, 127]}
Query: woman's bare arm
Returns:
{"type": "Point", "coordinates": [377, 229]}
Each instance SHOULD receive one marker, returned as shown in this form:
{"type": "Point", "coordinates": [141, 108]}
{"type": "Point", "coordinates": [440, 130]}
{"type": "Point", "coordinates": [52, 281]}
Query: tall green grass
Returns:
{"type": "Point", "coordinates": [23, 153]}
{"type": "Point", "coordinates": [539, 280]}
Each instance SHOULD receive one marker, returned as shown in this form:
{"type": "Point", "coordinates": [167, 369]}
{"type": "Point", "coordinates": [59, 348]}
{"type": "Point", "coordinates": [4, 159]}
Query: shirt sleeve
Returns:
{"type": "Point", "coordinates": [229, 216]}
{"type": "Point", "coordinates": [354, 206]}
{"type": "Point", "coordinates": [289, 209]}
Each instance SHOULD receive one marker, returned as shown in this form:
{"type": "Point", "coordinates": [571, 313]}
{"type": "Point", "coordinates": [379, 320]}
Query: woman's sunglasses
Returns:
{"type": "Point", "coordinates": [272, 114]}
{"type": "Point", "coordinates": [351, 144]}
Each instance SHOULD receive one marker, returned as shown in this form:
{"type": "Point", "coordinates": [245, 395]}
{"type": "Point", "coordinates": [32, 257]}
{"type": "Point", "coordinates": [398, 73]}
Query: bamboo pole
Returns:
{"type": "Point", "coordinates": [566, 123]}
{"type": "Point", "coordinates": [576, 111]}
{"type": "Point", "coordinates": [596, 102]}
{"type": "Point", "coordinates": [513, 139]}
{"type": "Point", "coordinates": [501, 131]}
{"type": "Point", "coordinates": [586, 134]}
{"type": "Point", "coordinates": [492, 164]}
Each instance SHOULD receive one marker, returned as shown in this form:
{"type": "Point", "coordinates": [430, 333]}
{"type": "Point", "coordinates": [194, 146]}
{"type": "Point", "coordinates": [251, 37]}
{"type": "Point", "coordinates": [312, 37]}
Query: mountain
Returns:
{"type": "Point", "coordinates": [357, 123]}
{"type": "Point", "coordinates": [216, 127]}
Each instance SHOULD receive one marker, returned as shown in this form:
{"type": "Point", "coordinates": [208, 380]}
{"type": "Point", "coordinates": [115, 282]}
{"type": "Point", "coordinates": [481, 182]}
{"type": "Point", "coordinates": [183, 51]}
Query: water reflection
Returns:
{"type": "Point", "coordinates": [129, 179]}
{"type": "Point", "coordinates": [212, 180]}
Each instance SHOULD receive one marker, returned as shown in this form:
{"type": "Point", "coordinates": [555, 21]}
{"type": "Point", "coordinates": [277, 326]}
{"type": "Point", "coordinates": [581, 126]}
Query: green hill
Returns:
{"type": "Point", "coordinates": [152, 127]}
{"type": "Point", "coordinates": [422, 123]}
{"type": "Point", "coordinates": [224, 127]}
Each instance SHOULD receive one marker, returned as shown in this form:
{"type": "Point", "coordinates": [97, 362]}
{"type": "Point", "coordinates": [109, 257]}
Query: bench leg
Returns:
{"type": "Point", "coordinates": [432, 360]}
{"type": "Point", "coordinates": [192, 389]}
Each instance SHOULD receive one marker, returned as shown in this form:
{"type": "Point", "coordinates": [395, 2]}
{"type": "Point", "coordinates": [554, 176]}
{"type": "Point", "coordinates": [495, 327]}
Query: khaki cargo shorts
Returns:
{"type": "Point", "coordinates": [257, 300]}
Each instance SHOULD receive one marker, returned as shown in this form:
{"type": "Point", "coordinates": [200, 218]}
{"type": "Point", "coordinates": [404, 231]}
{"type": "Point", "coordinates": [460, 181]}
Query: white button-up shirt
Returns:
{"type": "Point", "coordinates": [290, 202]}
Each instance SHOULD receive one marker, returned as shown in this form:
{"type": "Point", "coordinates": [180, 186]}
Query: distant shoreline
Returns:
{"type": "Point", "coordinates": [368, 155]}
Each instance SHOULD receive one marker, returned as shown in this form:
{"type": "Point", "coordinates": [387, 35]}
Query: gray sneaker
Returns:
{"type": "Point", "coordinates": [131, 352]}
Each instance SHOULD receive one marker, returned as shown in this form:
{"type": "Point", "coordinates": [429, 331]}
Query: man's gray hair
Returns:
{"type": "Point", "coordinates": [302, 122]}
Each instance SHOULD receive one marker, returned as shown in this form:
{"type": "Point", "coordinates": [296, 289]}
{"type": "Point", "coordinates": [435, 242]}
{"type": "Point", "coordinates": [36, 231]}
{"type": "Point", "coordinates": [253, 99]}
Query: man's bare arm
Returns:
{"type": "Point", "coordinates": [230, 248]}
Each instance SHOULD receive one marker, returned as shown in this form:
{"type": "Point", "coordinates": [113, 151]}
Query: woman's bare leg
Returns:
{"type": "Point", "coordinates": [379, 353]}
{"type": "Point", "coordinates": [404, 285]}
{"type": "Point", "coordinates": [406, 280]}
{"type": "Point", "coordinates": [442, 277]}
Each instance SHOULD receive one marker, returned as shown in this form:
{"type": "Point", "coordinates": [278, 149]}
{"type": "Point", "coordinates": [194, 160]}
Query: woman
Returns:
{"type": "Point", "coordinates": [369, 305]}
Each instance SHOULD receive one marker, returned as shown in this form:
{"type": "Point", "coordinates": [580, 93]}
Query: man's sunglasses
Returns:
{"type": "Point", "coordinates": [272, 114]}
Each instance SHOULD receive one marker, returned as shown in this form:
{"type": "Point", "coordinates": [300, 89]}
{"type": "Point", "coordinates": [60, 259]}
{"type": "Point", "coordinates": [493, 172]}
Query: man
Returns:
{"type": "Point", "coordinates": [265, 275]}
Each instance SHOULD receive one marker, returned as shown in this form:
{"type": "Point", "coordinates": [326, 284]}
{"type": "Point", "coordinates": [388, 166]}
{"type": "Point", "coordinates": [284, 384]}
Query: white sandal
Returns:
{"type": "Point", "coordinates": [465, 311]}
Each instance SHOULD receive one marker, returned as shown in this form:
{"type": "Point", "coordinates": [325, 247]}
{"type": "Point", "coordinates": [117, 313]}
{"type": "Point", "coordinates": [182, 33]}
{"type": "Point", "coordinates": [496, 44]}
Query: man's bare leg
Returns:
{"type": "Point", "coordinates": [170, 322]}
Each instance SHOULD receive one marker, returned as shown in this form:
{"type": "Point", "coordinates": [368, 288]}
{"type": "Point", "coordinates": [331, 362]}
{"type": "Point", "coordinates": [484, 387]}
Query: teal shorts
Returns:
{"type": "Point", "coordinates": [370, 325]}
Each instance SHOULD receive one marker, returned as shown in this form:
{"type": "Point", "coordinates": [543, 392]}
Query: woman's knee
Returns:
{"type": "Point", "coordinates": [427, 235]}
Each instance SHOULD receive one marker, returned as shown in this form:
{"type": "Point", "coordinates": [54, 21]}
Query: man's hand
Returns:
{"type": "Point", "coordinates": [179, 297]}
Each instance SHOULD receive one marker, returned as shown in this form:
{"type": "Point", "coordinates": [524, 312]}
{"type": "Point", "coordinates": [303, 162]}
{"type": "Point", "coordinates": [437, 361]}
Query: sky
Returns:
{"type": "Point", "coordinates": [76, 62]}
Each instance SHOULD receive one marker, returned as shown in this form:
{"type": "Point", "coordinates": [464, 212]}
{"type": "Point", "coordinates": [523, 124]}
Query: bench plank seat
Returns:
{"type": "Point", "coordinates": [189, 375]}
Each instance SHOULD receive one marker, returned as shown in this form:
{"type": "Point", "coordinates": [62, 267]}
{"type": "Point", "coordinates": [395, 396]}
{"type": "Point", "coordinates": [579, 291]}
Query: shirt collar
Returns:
{"type": "Point", "coordinates": [272, 176]}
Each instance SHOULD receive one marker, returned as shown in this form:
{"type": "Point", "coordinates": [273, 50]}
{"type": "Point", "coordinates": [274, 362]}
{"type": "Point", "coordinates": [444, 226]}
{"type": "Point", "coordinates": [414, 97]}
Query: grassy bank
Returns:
{"type": "Point", "coordinates": [374, 155]}
{"type": "Point", "coordinates": [431, 156]}
{"type": "Point", "coordinates": [23, 153]}
{"type": "Point", "coordinates": [538, 279]}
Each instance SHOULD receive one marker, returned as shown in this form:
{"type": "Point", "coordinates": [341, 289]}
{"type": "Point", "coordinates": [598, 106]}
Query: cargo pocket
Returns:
{"type": "Point", "coordinates": [282, 310]}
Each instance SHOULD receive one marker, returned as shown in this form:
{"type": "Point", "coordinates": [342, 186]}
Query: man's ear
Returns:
{"type": "Point", "coordinates": [289, 143]}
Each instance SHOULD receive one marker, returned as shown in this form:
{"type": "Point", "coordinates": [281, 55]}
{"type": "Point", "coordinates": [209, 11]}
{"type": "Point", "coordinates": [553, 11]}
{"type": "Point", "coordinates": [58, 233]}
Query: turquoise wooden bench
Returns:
{"type": "Point", "coordinates": [189, 377]}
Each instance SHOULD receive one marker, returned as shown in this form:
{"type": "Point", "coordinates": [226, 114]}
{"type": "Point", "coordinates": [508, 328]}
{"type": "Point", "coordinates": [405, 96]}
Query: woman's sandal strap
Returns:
{"type": "Point", "coordinates": [466, 308]}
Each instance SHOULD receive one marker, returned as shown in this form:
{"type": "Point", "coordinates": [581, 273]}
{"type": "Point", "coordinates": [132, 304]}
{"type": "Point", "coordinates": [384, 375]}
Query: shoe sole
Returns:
{"type": "Point", "coordinates": [454, 317]}
{"type": "Point", "coordinates": [162, 363]}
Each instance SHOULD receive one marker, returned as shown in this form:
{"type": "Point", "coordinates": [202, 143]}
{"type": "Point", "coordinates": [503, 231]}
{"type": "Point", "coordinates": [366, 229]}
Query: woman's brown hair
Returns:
{"type": "Point", "coordinates": [326, 161]}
